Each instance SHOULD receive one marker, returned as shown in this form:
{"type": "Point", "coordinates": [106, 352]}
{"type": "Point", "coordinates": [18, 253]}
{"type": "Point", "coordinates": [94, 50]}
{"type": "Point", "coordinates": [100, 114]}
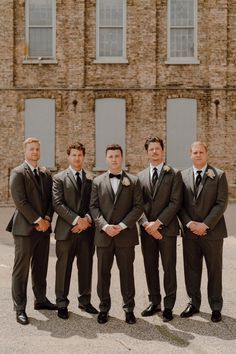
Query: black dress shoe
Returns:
{"type": "Point", "coordinates": [46, 305]}
{"type": "Point", "coordinates": [89, 308]}
{"type": "Point", "coordinates": [63, 313]}
{"type": "Point", "coordinates": [189, 311]}
{"type": "Point", "coordinates": [22, 318]}
{"type": "Point", "coordinates": [151, 310]}
{"type": "Point", "coordinates": [102, 317]}
{"type": "Point", "coordinates": [216, 316]}
{"type": "Point", "coordinates": [167, 315]}
{"type": "Point", "coordinates": [130, 318]}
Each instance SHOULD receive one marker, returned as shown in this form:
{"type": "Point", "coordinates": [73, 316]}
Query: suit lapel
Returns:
{"type": "Point", "coordinates": [162, 174]}
{"type": "Point", "coordinates": [202, 183]}
{"type": "Point", "coordinates": [120, 187]}
{"type": "Point", "coordinates": [109, 187]}
{"type": "Point", "coordinates": [190, 178]}
{"type": "Point", "coordinates": [31, 175]}
{"type": "Point", "coordinates": [72, 179]}
{"type": "Point", "coordinates": [147, 181]}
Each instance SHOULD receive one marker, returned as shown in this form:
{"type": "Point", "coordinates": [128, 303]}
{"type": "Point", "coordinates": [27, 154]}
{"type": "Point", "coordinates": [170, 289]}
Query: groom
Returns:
{"type": "Point", "coordinates": [116, 205]}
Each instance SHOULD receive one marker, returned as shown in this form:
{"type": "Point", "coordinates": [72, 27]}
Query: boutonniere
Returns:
{"type": "Point", "coordinates": [166, 168]}
{"type": "Point", "coordinates": [125, 182]}
{"type": "Point", "coordinates": [210, 173]}
{"type": "Point", "coordinates": [89, 176]}
{"type": "Point", "coordinates": [42, 169]}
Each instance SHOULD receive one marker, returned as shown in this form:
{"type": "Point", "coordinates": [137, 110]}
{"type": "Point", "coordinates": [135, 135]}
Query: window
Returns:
{"type": "Point", "coordinates": [181, 130]}
{"type": "Point", "coordinates": [182, 32]}
{"type": "Point", "coordinates": [40, 123]}
{"type": "Point", "coordinates": [40, 29]}
{"type": "Point", "coordinates": [110, 127]}
{"type": "Point", "coordinates": [111, 31]}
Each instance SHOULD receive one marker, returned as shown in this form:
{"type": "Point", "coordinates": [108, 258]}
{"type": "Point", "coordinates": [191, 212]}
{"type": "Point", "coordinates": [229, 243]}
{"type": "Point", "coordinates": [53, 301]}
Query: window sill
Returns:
{"type": "Point", "coordinates": [40, 61]}
{"type": "Point", "coordinates": [182, 61]}
{"type": "Point", "coordinates": [111, 61]}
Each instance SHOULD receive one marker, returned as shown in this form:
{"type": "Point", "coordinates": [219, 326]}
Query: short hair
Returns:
{"type": "Point", "coordinates": [114, 147]}
{"type": "Point", "coordinates": [76, 146]}
{"type": "Point", "coordinates": [29, 141]}
{"type": "Point", "coordinates": [153, 139]}
{"type": "Point", "coordinates": [199, 143]}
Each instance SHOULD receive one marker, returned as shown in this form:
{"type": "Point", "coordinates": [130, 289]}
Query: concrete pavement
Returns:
{"type": "Point", "coordinates": [46, 333]}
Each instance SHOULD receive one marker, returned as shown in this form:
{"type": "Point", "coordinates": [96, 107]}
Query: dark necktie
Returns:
{"type": "Point", "coordinates": [116, 176]}
{"type": "Point", "coordinates": [36, 175]}
{"type": "Point", "coordinates": [198, 179]}
{"type": "Point", "coordinates": [78, 180]}
{"type": "Point", "coordinates": [154, 177]}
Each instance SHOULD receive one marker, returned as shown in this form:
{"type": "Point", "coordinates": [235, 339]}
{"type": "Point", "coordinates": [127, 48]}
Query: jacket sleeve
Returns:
{"type": "Point", "coordinates": [133, 216]}
{"type": "Point", "coordinates": [175, 201]}
{"type": "Point", "coordinates": [95, 211]}
{"type": "Point", "coordinates": [220, 205]}
{"type": "Point", "coordinates": [19, 195]}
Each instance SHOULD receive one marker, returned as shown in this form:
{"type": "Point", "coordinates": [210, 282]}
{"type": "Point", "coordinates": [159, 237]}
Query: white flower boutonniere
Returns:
{"type": "Point", "coordinates": [89, 176]}
{"type": "Point", "coordinates": [42, 169]}
{"type": "Point", "coordinates": [166, 168]}
{"type": "Point", "coordinates": [125, 182]}
{"type": "Point", "coordinates": [210, 173]}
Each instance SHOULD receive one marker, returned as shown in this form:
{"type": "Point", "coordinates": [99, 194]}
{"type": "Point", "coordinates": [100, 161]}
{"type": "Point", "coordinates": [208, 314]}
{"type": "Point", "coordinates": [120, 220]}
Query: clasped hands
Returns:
{"type": "Point", "coordinates": [81, 225]}
{"type": "Point", "coordinates": [198, 228]}
{"type": "Point", "coordinates": [42, 225]}
{"type": "Point", "coordinates": [152, 229]}
{"type": "Point", "coordinates": [113, 230]}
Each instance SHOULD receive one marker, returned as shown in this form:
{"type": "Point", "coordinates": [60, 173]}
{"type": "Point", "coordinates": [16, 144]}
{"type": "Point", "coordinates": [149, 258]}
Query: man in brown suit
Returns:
{"type": "Point", "coordinates": [31, 189]}
{"type": "Point", "coordinates": [162, 193]}
{"type": "Point", "coordinates": [74, 231]}
{"type": "Point", "coordinates": [116, 205]}
{"type": "Point", "coordinates": [204, 202]}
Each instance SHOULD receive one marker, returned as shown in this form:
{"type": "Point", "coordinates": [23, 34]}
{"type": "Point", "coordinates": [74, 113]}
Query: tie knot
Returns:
{"type": "Point", "coordinates": [111, 175]}
{"type": "Point", "coordinates": [35, 171]}
{"type": "Point", "coordinates": [77, 174]}
{"type": "Point", "coordinates": [199, 172]}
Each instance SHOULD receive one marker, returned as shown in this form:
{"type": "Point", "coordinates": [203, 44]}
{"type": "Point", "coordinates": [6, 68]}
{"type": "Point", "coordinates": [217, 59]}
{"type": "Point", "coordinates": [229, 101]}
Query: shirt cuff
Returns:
{"type": "Point", "coordinates": [145, 223]}
{"type": "Point", "coordinates": [75, 220]}
{"type": "Point", "coordinates": [189, 223]}
{"type": "Point", "coordinates": [104, 227]}
{"type": "Point", "coordinates": [88, 217]}
{"type": "Point", "coordinates": [122, 225]}
{"type": "Point", "coordinates": [39, 219]}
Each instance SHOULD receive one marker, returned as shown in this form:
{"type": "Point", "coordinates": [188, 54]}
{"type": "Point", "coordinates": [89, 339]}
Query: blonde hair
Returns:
{"type": "Point", "coordinates": [199, 143]}
{"type": "Point", "coordinates": [29, 141]}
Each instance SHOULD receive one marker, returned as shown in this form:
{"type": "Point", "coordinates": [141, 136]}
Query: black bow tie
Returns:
{"type": "Point", "coordinates": [116, 176]}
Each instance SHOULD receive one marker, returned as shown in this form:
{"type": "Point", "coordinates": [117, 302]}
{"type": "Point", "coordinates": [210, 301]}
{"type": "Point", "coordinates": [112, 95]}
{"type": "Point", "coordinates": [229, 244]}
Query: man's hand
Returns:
{"type": "Point", "coordinates": [82, 224]}
{"type": "Point", "coordinates": [152, 226]}
{"type": "Point", "coordinates": [198, 228]}
{"type": "Point", "coordinates": [42, 225]}
{"type": "Point", "coordinates": [153, 232]}
{"type": "Point", "coordinates": [113, 230]}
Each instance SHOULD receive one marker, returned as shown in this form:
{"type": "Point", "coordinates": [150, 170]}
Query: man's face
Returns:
{"type": "Point", "coordinates": [76, 159]}
{"type": "Point", "coordinates": [114, 160]}
{"type": "Point", "coordinates": [155, 153]}
{"type": "Point", "coordinates": [32, 152]}
{"type": "Point", "coordinates": [199, 155]}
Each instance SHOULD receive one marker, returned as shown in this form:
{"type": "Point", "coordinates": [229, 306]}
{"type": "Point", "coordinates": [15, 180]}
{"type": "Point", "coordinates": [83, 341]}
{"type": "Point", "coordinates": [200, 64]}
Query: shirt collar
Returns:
{"type": "Point", "coordinates": [158, 167]}
{"type": "Point", "coordinates": [203, 169]}
{"type": "Point", "coordinates": [74, 172]}
{"type": "Point", "coordinates": [119, 173]}
{"type": "Point", "coordinates": [32, 167]}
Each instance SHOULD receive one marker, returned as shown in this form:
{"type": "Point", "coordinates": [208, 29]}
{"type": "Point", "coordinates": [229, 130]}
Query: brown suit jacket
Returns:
{"type": "Point", "coordinates": [209, 204]}
{"type": "Point", "coordinates": [106, 208]}
{"type": "Point", "coordinates": [30, 200]}
{"type": "Point", "coordinates": [164, 202]}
